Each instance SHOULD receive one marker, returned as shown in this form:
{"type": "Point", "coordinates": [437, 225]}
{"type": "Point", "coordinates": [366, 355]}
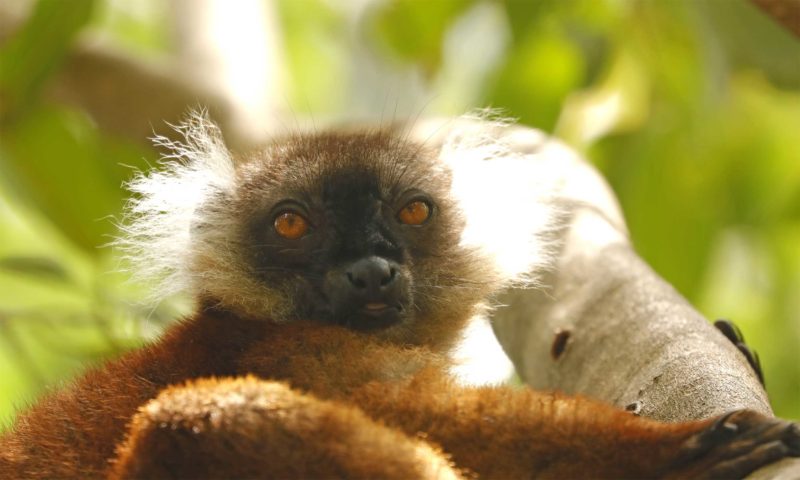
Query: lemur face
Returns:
{"type": "Point", "coordinates": [357, 230]}
{"type": "Point", "coordinates": [362, 229]}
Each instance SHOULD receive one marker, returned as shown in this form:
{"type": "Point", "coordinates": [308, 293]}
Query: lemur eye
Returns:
{"type": "Point", "coordinates": [290, 225]}
{"type": "Point", "coordinates": [415, 213]}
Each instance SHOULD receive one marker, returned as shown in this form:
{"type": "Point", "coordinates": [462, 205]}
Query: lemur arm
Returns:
{"type": "Point", "coordinates": [251, 428]}
{"type": "Point", "coordinates": [504, 432]}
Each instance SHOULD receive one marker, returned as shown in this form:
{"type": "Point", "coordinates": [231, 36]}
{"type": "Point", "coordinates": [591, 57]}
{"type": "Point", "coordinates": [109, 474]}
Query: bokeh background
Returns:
{"type": "Point", "coordinates": [691, 108]}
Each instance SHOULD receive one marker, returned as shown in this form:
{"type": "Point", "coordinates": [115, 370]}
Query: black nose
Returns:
{"type": "Point", "coordinates": [371, 275]}
{"type": "Point", "coordinates": [368, 294]}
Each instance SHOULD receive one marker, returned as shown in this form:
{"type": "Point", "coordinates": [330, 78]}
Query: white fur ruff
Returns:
{"type": "Point", "coordinates": [506, 201]}
{"type": "Point", "coordinates": [157, 241]}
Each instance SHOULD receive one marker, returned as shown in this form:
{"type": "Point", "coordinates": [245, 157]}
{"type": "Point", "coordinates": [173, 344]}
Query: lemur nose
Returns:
{"type": "Point", "coordinates": [371, 274]}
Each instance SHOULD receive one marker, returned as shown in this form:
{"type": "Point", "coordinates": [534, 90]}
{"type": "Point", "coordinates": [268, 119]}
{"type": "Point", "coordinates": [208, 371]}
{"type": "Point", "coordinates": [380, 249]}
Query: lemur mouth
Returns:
{"type": "Point", "coordinates": [376, 316]}
{"type": "Point", "coordinates": [374, 308]}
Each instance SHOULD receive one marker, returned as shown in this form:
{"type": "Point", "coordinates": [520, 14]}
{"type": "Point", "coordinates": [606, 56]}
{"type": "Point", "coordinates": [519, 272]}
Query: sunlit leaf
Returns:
{"type": "Point", "coordinates": [537, 76]}
{"type": "Point", "coordinates": [619, 103]}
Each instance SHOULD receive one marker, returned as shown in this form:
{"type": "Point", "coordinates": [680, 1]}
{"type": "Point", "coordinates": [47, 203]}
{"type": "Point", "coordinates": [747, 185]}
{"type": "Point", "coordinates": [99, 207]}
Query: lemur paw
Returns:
{"type": "Point", "coordinates": [737, 444]}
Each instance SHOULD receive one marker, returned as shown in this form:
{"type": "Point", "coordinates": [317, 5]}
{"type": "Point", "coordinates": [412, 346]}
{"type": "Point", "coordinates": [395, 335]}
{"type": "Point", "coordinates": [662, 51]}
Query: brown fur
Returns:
{"type": "Point", "coordinates": [358, 391]}
{"type": "Point", "coordinates": [257, 385]}
{"type": "Point", "coordinates": [194, 430]}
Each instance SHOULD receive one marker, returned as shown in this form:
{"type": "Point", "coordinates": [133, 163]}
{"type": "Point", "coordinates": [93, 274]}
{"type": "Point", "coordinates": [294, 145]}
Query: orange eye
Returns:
{"type": "Point", "coordinates": [415, 213]}
{"type": "Point", "coordinates": [291, 225]}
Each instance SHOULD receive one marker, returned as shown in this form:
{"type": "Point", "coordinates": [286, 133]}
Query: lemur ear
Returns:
{"type": "Point", "coordinates": [509, 210]}
{"type": "Point", "coordinates": [162, 216]}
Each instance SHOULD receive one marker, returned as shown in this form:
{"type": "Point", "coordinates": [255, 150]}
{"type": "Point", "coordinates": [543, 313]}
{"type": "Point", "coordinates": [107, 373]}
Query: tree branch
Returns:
{"type": "Point", "coordinates": [784, 12]}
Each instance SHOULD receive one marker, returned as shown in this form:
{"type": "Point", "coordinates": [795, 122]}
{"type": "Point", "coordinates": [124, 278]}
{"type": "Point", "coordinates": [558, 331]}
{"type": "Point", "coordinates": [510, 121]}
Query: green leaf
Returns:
{"type": "Point", "coordinates": [524, 16]}
{"type": "Point", "coordinates": [538, 76]}
{"type": "Point", "coordinates": [314, 43]}
{"type": "Point", "coordinates": [30, 56]}
{"type": "Point", "coordinates": [618, 103]}
{"type": "Point", "coordinates": [414, 31]}
{"type": "Point", "coordinates": [57, 160]}
{"type": "Point", "coordinates": [42, 267]}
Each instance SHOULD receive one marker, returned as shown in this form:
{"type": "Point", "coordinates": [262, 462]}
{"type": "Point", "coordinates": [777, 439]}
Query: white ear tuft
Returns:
{"type": "Point", "coordinates": [507, 205]}
{"type": "Point", "coordinates": [156, 231]}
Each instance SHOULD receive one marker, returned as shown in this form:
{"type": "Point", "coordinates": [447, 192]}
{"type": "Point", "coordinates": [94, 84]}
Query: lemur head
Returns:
{"type": "Point", "coordinates": [354, 228]}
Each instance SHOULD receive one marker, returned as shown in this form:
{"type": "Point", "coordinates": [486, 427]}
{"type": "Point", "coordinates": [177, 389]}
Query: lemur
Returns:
{"type": "Point", "coordinates": [332, 273]}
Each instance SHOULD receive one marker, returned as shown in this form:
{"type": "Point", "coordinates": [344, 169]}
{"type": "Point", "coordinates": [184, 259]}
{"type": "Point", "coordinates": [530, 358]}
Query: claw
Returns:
{"type": "Point", "coordinates": [732, 333]}
{"type": "Point", "coordinates": [738, 443]}
{"type": "Point", "coordinates": [722, 429]}
{"type": "Point", "coordinates": [792, 439]}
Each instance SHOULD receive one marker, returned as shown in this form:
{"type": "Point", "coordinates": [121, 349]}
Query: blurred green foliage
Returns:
{"type": "Point", "coordinates": [690, 108]}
